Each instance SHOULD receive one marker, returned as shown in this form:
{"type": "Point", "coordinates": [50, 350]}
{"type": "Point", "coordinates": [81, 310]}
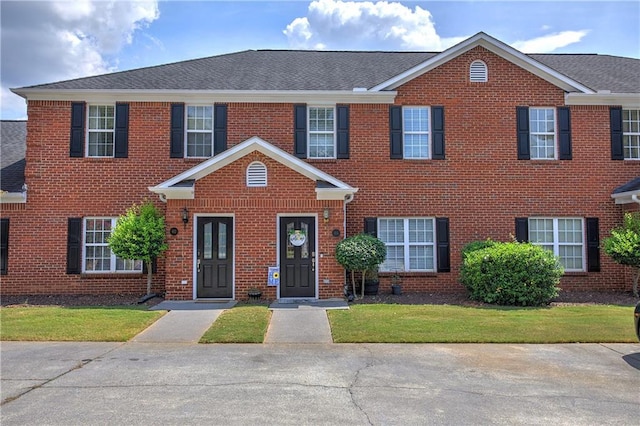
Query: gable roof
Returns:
{"type": "Point", "coordinates": [13, 135]}
{"type": "Point", "coordinates": [627, 193]}
{"type": "Point", "coordinates": [182, 186]}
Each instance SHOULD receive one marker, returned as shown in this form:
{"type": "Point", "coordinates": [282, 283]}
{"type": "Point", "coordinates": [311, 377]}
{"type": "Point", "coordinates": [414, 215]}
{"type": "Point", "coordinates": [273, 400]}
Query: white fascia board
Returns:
{"type": "Point", "coordinates": [13, 197]}
{"type": "Point", "coordinates": [182, 193]}
{"type": "Point", "coordinates": [495, 46]}
{"type": "Point", "coordinates": [625, 100]}
{"type": "Point", "coordinates": [334, 193]}
{"type": "Point", "coordinates": [625, 197]}
{"type": "Point", "coordinates": [207, 96]}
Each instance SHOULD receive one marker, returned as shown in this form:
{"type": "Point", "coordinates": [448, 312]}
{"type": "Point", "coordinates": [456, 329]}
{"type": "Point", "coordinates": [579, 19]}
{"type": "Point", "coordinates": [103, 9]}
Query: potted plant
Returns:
{"type": "Point", "coordinates": [361, 253]}
{"type": "Point", "coordinates": [396, 284]}
{"type": "Point", "coordinates": [371, 281]}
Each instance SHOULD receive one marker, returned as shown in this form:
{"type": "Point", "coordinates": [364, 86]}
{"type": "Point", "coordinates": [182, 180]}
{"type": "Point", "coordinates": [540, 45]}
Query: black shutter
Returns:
{"type": "Point", "coordinates": [300, 130]}
{"type": "Point", "coordinates": [395, 131]}
{"type": "Point", "coordinates": [437, 128]}
{"type": "Point", "coordinates": [564, 133]}
{"type": "Point", "coordinates": [74, 245]}
{"type": "Point", "coordinates": [4, 246]}
{"type": "Point", "coordinates": [593, 245]}
{"type": "Point", "coordinates": [219, 128]}
{"type": "Point", "coordinates": [122, 131]}
{"type": "Point", "coordinates": [371, 226]}
{"type": "Point", "coordinates": [522, 119]}
{"type": "Point", "coordinates": [442, 238]}
{"type": "Point", "coordinates": [342, 111]}
{"type": "Point", "coordinates": [615, 119]}
{"type": "Point", "coordinates": [522, 229]}
{"type": "Point", "coordinates": [154, 266]}
{"type": "Point", "coordinates": [177, 131]}
{"type": "Point", "coordinates": [76, 146]}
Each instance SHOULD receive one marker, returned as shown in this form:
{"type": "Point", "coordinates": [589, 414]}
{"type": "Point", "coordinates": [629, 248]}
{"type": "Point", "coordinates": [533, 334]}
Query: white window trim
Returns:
{"type": "Point", "coordinates": [89, 131]}
{"type": "Point", "coordinates": [310, 132]}
{"type": "Point", "coordinates": [630, 133]}
{"type": "Point", "coordinates": [429, 133]}
{"type": "Point", "coordinates": [406, 244]}
{"type": "Point", "coordinates": [187, 131]}
{"type": "Point", "coordinates": [556, 243]}
{"type": "Point", "coordinates": [555, 133]}
{"type": "Point", "coordinates": [112, 270]}
{"type": "Point", "coordinates": [252, 170]}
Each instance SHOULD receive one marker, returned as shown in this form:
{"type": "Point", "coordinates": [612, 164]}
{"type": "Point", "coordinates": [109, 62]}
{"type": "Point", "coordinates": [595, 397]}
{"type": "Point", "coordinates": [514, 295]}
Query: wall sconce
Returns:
{"type": "Point", "coordinates": [185, 216]}
{"type": "Point", "coordinates": [325, 215]}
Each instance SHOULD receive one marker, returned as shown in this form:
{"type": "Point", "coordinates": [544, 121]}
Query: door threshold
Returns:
{"type": "Point", "coordinates": [212, 300]}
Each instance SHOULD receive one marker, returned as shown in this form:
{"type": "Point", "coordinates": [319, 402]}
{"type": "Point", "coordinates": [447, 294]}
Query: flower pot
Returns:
{"type": "Point", "coordinates": [396, 289]}
{"type": "Point", "coordinates": [371, 287]}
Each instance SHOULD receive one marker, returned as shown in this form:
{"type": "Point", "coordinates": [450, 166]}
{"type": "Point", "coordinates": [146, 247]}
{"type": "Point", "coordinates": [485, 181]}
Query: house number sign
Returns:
{"type": "Point", "coordinates": [297, 238]}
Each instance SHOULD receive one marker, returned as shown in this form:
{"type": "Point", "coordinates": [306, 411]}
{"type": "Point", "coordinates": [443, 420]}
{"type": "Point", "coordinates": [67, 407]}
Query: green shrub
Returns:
{"type": "Point", "coordinates": [476, 245]}
{"type": "Point", "coordinates": [511, 274]}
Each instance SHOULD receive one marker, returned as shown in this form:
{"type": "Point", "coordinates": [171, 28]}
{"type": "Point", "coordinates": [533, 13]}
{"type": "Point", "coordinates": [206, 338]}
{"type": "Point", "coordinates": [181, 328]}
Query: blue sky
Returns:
{"type": "Point", "coordinates": [47, 41]}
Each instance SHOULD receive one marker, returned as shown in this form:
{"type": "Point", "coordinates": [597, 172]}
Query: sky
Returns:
{"type": "Point", "coordinates": [49, 41]}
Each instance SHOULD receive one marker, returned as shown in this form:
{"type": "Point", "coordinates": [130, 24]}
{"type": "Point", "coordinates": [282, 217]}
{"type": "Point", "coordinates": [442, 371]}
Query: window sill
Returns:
{"type": "Point", "coordinates": [409, 274]}
{"type": "Point", "coordinates": [576, 274]}
{"type": "Point", "coordinates": [546, 162]}
{"type": "Point", "coordinates": [322, 160]}
{"type": "Point", "coordinates": [111, 275]}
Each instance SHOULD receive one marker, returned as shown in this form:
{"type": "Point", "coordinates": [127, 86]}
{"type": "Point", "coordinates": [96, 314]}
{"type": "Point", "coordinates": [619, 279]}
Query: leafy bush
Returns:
{"type": "Point", "coordinates": [623, 246]}
{"type": "Point", "coordinates": [362, 252]}
{"type": "Point", "coordinates": [476, 245]}
{"type": "Point", "coordinates": [511, 274]}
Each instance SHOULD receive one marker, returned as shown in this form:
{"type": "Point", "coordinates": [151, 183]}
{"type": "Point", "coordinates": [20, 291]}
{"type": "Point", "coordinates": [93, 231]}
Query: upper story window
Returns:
{"type": "Point", "coordinates": [98, 257]}
{"type": "Point", "coordinates": [199, 129]}
{"type": "Point", "coordinates": [542, 126]}
{"type": "Point", "coordinates": [478, 72]}
{"type": "Point", "coordinates": [415, 132]}
{"type": "Point", "coordinates": [563, 236]}
{"type": "Point", "coordinates": [322, 141]}
{"type": "Point", "coordinates": [101, 130]}
{"type": "Point", "coordinates": [410, 243]}
{"type": "Point", "coordinates": [631, 134]}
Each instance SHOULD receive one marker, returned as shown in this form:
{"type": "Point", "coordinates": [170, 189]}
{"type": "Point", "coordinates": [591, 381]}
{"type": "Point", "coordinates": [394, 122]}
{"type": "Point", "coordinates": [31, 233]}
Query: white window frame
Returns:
{"type": "Point", "coordinates": [406, 244]}
{"type": "Point", "coordinates": [556, 240]}
{"type": "Point", "coordinates": [532, 133]}
{"type": "Point", "coordinates": [628, 136]}
{"type": "Point", "coordinates": [113, 258]}
{"type": "Point", "coordinates": [188, 131]}
{"type": "Point", "coordinates": [90, 130]}
{"type": "Point", "coordinates": [406, 132]}
{"type": "Point", "coordinates": [321, 132]}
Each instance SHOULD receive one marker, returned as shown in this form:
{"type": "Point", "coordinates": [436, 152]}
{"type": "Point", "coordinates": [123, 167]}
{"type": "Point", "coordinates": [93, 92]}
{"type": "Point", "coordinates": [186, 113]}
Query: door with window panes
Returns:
{"type": "Point", "coordinates": [297, 257]}
{"type": "Point", "coordinates": [214, 257]}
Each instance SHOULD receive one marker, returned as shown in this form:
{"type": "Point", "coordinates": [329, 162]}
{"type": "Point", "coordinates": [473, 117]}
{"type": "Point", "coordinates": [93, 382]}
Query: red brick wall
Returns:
{"type": "Point", "coordinates": [481, 186]}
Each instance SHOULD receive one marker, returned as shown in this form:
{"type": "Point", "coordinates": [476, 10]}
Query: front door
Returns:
{"type": "Point", "coordinates": [214, 257]}
{"type": "Point", "coordinates": [298, 257]}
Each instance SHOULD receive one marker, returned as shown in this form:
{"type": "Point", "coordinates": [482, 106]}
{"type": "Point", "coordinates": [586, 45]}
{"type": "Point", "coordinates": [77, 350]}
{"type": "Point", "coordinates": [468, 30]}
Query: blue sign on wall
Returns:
{"type": "Point", "coordinates": [274, 276]}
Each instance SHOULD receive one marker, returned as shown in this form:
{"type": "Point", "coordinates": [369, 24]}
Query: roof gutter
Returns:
{"type": "Point", "coordinates": [603, 97]}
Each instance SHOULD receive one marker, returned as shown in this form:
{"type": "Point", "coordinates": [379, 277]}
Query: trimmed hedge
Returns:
{"type": "Point", "coordinates": [511, 273]}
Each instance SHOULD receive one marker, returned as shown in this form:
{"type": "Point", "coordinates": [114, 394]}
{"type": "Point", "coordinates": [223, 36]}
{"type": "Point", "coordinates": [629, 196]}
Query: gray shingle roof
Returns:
{"type": "Point", "coordinates": [632, 185]}
{"type": "Point", "coordinates": [330, 70]}
{"type": "Point", "coordinates": [13, 143]}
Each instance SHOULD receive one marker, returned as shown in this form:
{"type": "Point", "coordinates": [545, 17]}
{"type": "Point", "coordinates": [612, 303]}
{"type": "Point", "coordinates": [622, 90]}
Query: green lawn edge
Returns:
{"type": "Point", "coordinates": [240, 324]}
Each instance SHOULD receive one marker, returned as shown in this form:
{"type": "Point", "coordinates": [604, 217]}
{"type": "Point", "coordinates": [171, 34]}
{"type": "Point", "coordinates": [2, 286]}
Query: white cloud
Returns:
{"type": "Point", "coordinates": [43, 42]}
{"type": "Point", "coordinates": [550, 42]}
{"type": "Point", "coordinates": [332, 24]}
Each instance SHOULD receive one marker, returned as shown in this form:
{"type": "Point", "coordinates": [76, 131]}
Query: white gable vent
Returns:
{"type": "Point", "coordinates": [257, 174]}
{"type": "Point", "coordinates": [478, 72]}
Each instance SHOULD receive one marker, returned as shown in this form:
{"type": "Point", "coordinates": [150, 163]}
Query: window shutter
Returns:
{"type": "Point", "coordinates": [154, 267]}
{"type": "Point", "coordinates": [4, 246]}
{"type": "Point", "coordinates": [300, 130]}
{"type": "Point", "coordinates": [342, 111]}
{"type": "Point", "coordinates": [437, 128]}
{"type": "Point", "coordinates": [615, 118]}
{"type": "Point", "coordinates": [442, 238]}
{"type": "Point", "coordinates": [564, 133]}
{"type": "Point", "coordinates": [522, 229]}
{"type": "Point", "coordinates": [593, 245]}
{"type": "Point", "coordinates": [177, 131]}
{"type": "Point", "coordinates": [522, 119]}
{"type": "Point", "coordinates": [76, 146]}
{"type": "Point", "coordinates": [74, 245]}
{"type": "Point", "coordinates": [395, 131]}
{"type": "Point", "coordinates": [371, 226]}
{"type": "Point", "coordinates": [219, 128]}
{"type": "Point", "coordinates": [122, 131]}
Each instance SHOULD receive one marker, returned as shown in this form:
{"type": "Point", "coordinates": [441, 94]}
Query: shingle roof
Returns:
{"type": "Point", "coordinates": [632, 185]}
{"type": "Point", "coordinates": [13, 144]}
{"type": "Point", "coordinates": [330, 70]}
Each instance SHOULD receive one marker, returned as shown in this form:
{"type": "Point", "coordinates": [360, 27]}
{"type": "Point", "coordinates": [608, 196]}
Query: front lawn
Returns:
{"type": "Point", "coordinates": [241, 324]}
{"type": "Point", "coordinates": [75, 324]}
{"type": "Point", "coordinates": [458, 324]}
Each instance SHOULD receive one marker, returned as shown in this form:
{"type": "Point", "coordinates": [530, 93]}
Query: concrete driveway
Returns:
{"type": "Point", "coordinates": [379, 384]}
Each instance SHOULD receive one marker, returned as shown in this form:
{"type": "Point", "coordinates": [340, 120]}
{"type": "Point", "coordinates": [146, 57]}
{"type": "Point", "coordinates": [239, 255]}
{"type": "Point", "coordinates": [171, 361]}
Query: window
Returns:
{"type": "Point", "coordinates": [410, 244]}
{"type": "Point", "coordinates": [631, 134]}
{"type": "Point", "coordinates": [97, 254]}
{"type": "Point", "coordinates": [321, 132]}
{"type": "Point", "coordinates": [101, 130]}
{"type": "Point", "coordinates": [478, 72]}
{"type": "Point", "coordinates": [542, 125]}
{"type": "Point", "coordinates": [415, 132]}
{"type": "Point", "coordinates": [257, 174]}
{"type": "Point", "coordinates": [563, 236]}
{"type": "Point", "coordinates": [199, 138]}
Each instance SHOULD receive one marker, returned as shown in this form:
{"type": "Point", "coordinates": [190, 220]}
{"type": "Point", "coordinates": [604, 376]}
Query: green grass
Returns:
{"type": "Point", "coordinates": [457, 324]}
{"type": "Point", "coordinates": [241, 324]}
{"type": "Point", "coordinates": [75, 324]}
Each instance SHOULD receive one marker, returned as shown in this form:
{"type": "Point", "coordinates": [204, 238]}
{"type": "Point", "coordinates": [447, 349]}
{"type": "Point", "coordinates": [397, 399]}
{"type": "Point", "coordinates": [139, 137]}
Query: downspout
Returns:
{"type": "Point", "coordinates": [635, 198]}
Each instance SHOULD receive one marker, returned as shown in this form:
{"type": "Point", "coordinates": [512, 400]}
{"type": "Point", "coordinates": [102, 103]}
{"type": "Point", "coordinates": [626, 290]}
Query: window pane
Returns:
{"type": "Point", "coordinates": [199, 144]}
{"type": "Point", "coordinates": [541, 231]}
{"type": "Point", "coordinates": [416, 119]}
{"type": "Point", "coordinates": [542, 137]}
{"type": "Point", "coordinates": [321, 145]}
{"type": "Point", "coordinates": [391, 230]}
{"type": "Point", "coordinates": [222, 241]}
{"type": "Point", "coordinates": [570, 231]}
{"type": "Point", "coordinates": [394, 260]}
{"type": "Point", "coordinates": [321, 133]}
{"type": "Point", "coordinates": [420, 230]}
{"type": "Point", "coordinates": [421, 257]}
{"type": "Point", "coordinates": [208, 241]}
{"type": "Point", "coordinates": [199, 118]}
{"type": "Point", "coordinates": [415, 122]}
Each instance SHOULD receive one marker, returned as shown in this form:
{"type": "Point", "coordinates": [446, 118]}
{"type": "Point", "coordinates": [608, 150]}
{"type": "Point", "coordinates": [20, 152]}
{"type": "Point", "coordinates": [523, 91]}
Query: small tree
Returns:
{"type": "Point", "coordinates": [360, 252]}
{"type": "Point", "coordinates": [623, 246]}
{"type": "Point", "coordinates": [139, 235]}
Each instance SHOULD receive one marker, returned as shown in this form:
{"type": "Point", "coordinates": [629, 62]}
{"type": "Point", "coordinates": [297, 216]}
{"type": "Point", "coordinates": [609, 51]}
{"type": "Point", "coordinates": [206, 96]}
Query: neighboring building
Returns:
{"type": "Point", "coordinates": [269, 158]}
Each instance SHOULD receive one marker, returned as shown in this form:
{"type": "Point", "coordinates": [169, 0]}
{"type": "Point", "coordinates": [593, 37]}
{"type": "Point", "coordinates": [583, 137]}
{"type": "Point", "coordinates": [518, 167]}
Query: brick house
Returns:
{"type": "Point", "coordinates": [266, 158]}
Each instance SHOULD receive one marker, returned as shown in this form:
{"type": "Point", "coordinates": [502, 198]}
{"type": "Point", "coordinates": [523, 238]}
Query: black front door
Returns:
{"type": "Point", "coordinates": [214, 257]}
{"type": "Point", "coordinates": [297, 257]}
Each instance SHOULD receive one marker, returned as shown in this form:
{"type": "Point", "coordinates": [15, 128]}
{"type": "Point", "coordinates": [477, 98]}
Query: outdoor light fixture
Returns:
{"type": "Point", "coordinates": [185, 216]}
{"type": "Point", "coordinates": [325, 215]}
